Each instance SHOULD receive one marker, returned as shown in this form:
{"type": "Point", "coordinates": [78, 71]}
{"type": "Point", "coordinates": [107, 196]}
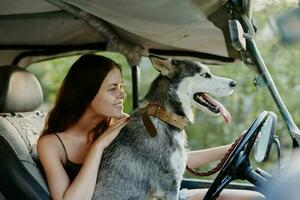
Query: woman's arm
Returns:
{"type": "Point", "coordinates": [84, 184]}
{"type": "Point", "coordinates": [58, 181]}
{"type": "Point", "coordinates": [202, 157]}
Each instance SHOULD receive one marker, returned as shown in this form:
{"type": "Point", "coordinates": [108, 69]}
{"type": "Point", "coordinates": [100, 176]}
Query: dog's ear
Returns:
{"type": "Point", "coordinates": [163, 65]}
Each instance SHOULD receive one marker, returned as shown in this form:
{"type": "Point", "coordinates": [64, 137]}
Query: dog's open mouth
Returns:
{"type": "Point", "coordinates": [212, 105]}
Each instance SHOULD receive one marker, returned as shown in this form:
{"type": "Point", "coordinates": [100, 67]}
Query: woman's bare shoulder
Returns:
{"type": "Point", "coordinates": [48, 143]}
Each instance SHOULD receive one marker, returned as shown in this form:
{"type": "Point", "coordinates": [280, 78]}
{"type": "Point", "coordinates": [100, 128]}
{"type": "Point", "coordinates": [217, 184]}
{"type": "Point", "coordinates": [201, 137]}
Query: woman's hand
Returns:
{"type": "Point", "coordinates": [121, 117]}
{"type": "Point", "coordinates": [106, 138]}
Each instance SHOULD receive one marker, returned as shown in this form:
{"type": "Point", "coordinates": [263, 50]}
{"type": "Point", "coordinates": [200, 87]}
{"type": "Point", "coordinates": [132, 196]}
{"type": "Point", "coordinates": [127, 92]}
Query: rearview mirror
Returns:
{"type": "Point", "coordinates": [265, 138]}
{"type": "Point", "coordinates": [236, 35]}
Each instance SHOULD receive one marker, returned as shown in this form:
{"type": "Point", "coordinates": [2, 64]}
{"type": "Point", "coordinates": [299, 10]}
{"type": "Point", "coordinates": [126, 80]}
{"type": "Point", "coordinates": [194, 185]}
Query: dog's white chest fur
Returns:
{"type": "Point", "coordinates": [177, 162]}
{"type": "Point", "coordinates": [178, 158]}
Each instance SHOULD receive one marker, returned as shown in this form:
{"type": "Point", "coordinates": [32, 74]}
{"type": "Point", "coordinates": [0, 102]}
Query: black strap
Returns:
{"type": "Point", "coordinates": [62, 145]}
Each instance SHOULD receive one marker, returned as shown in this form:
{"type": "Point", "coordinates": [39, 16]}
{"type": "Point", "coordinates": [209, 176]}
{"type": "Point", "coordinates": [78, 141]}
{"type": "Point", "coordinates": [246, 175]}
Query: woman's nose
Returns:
{"type": "Point", "coordinates": [122, 94]}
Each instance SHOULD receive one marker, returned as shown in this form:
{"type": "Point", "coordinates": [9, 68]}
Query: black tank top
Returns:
{"type": "Point", "coordinates": [71, 168]}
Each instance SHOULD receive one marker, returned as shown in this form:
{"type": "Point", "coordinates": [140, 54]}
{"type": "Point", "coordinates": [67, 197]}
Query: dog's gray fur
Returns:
{"type": "Point", "coordinates": [137, 166]}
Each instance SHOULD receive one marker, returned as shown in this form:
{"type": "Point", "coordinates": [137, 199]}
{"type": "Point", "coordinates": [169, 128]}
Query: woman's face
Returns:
{"type": "Point", "coordinates": [109, 100]}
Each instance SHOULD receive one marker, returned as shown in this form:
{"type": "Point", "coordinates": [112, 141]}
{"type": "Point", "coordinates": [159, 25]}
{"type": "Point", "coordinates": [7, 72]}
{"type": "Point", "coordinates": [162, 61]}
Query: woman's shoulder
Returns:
{"type": "Point", "coordinates": [49, 138]}
{"type": "Point", "coordinates": [50, 155]}
{"type": "Point", "coordinates": [48, 143]}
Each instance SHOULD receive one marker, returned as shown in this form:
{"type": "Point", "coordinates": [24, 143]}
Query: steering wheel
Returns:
{"type": "Point", "coordinates": [237, 165]}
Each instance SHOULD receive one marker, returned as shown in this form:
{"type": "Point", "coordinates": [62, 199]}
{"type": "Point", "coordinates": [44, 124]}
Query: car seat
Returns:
{"type": "Point", "coordinates": [21, 176]}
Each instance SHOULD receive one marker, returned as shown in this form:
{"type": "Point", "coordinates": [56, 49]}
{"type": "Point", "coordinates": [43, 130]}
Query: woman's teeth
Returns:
{"type": "Point", "coordinates": [118, 105]}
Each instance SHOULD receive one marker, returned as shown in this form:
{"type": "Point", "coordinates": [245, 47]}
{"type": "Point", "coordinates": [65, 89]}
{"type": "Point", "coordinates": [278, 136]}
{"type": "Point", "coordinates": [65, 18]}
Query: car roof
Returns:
{"type": "Point", "coordinates": [193, 29]}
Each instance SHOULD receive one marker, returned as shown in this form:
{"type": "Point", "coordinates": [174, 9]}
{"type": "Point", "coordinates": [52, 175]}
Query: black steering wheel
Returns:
{"type": "Point", "coordinates": [237, 165]}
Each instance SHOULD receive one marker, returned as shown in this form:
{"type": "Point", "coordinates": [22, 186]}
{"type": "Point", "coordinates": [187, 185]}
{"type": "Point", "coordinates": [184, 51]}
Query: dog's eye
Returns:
{"type": "Point", "coordinates": [206, 75]}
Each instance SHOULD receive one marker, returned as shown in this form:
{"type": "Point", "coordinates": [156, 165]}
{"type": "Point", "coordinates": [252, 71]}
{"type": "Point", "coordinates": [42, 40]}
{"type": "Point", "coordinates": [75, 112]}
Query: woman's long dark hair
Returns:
{"type": "Point", "coordinates": [78, 89]}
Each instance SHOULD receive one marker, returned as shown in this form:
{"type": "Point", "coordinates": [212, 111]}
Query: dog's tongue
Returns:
{"type": "Point", "coordinates": [224, 112]}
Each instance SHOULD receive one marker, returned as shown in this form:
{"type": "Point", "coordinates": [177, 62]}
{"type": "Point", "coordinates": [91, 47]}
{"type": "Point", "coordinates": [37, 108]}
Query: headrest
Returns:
{"type": "Point", "coordinates": [20, 90]}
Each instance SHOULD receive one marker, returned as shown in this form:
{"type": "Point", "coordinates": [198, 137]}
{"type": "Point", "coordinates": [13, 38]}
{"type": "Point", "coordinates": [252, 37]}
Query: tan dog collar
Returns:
{"type": "Point", "coordinates": [156, 110]}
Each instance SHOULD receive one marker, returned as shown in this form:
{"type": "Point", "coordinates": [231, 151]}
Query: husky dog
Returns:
{"type": "Point", "coordinates": [137, 166]}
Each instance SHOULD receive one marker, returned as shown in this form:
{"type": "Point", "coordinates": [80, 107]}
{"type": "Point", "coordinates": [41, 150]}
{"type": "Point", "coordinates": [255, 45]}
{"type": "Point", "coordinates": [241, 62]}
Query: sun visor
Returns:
{"type": "Point", "coordinates": [191, 26]}
{"type": "Point", "coordinates": [14, 7]}
{"type": "Point", "coordinates": [58, 28]}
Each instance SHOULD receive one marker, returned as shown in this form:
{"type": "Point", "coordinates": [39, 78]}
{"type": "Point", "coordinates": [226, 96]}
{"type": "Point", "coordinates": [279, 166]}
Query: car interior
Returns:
{"type": "Point", "coordinates": [20, 126]}
{"type": "Point", "coordinates": [36, 30]}
{"type": "Point", "coordinates": [213, 32]}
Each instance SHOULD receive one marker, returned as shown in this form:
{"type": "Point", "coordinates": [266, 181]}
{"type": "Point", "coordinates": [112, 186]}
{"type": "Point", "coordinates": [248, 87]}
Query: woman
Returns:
{"type": "Point", "coordinates": [80, 126]}
{"type": "Point", "coordinates": [87, 116]}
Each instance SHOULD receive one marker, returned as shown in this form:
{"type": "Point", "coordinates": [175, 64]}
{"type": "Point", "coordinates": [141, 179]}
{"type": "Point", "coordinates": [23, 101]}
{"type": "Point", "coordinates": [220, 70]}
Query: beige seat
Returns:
{"type": "Point", "coordinates": [20, 125]}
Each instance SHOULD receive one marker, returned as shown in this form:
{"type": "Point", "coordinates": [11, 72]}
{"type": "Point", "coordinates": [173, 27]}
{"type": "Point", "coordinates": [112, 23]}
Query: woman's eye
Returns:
{"type": "Point", "coordinates": [206, 75]}
{"type": "Point", "coordinates": [112, 89]}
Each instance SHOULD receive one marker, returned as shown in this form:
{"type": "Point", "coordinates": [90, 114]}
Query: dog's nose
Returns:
{"type": "Point", "coordinates": [232, 84]}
